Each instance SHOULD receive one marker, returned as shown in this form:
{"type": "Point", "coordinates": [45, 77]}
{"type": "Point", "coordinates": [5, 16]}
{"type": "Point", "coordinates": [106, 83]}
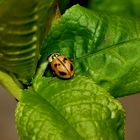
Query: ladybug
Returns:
{"type": "Point", "coordinates": [61, 65]}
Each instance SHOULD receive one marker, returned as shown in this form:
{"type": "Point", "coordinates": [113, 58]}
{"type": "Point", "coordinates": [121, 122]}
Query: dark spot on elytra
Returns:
{"type": "Point", "coordinates": [55, 65]}
{"type": "Point", "coordinates": [62, 73]}
{"type": "Point", "coordinates": [64, 60]}
{"type": "Point", "coordinates": [71, 67]}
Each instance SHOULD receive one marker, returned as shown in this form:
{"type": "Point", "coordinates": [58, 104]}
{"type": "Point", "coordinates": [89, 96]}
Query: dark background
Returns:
{"type": "Point", "coordinates": [7, 118]}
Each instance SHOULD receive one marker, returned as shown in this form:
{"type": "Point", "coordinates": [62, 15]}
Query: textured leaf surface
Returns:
{"type": "Point", "coordinates": [75, 109]}
{"type": "Point", "coordinates": [103, 47]}
{"type": "Point", "coordinates": [22, 27]}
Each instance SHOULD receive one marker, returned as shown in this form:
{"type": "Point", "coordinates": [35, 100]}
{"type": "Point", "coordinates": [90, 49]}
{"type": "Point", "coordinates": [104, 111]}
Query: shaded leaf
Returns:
{"type": "Point", "coordinates": [22, 28]}
{"type": "Point", "coordinates": [118, 7]}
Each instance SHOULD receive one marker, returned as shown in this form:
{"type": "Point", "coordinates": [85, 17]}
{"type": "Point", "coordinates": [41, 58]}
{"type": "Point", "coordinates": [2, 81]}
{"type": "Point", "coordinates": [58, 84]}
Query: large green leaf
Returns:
{"type": "Point", "coordinates": [75, 109]}
{"type": "Point", "coordinates": [103, 47]}
{"type": "Point", "coordinates": [22, 27]}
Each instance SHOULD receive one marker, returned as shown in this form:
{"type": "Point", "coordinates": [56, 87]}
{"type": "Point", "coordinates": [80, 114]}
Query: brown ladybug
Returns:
{"type": "Point", "coordinates": [61, 65]}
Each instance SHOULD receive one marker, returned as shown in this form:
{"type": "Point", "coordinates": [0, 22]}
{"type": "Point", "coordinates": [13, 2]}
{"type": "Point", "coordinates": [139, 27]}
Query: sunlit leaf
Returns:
{"type": "Point", "coordinates": [75, 109]}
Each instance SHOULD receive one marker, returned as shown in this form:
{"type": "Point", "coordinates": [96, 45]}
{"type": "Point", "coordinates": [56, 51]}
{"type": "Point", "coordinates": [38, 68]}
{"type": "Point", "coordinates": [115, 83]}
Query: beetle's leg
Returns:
{"type": "Point", "coordinates": [53, 74]}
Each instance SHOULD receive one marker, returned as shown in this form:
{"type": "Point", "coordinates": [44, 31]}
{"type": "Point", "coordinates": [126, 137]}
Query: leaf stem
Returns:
{"type": "Point", "coordinates": [41, 70]}
{"type": "Point", "coordinates": [10, 84]}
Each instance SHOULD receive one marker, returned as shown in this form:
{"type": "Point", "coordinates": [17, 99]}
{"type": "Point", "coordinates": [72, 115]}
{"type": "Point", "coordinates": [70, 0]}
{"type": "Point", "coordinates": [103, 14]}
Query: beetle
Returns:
{"type": "Point", "coordinates": [61, 65]}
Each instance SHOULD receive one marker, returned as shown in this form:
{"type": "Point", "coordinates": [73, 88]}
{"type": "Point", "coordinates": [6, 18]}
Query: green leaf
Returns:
{"type": "Point", "coordinates": [75, 109]}
{"type": "Point", "coordinates": [22, 27]}
{"type": "Point", "coordinates": [118, 7]}
{"type": "Point", "coordinates": [12, 85]}
{"type": "Point", "coordinates": [136, 5]}
{"type": "Point", "coordinates": [103, 47]}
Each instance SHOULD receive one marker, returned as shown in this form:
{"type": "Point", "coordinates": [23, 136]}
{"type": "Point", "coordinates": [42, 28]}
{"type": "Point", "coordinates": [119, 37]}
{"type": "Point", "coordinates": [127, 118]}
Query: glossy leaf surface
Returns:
{"type": "Point", "coordinates": [103, 47]}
